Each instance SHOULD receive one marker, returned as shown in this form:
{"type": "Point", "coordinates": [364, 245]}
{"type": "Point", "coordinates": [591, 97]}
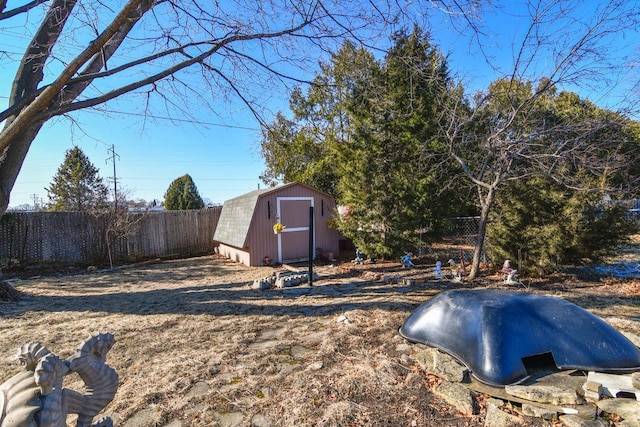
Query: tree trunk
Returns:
{"type": "Point", "coordinates": [482, 232]}
{"type": "Point", "coordinates": [12, 163]}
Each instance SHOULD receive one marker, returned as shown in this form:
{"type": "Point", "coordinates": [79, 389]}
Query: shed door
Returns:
{"type": "Point", "coordinates": [293, 242]}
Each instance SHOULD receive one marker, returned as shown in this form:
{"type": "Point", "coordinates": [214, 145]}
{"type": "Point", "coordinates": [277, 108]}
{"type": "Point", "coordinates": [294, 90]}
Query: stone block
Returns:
{"type": "Point", "coordinates": [545, 394]}
{"type": "Point", "coordinates": [592, 390]}
{"type": "Point", "coordinates": [261, 284]}
{"type": "Point", "coordinates": [613, 384]}
{"type": "Point", "coordinates": [425, 359]}
{"type": "Point", "coordinates": [448, 368]}
{"type": "Point", "coordinates": [539, 412]}
{"type": "Point", "coordinates": [457, 396]}
{"type": "Point", "coordinates": [496, 417]}
{"type": "Point", "coordinates": [635, 379]}
{"type": "Point", "coordinates": [578, 421]}
{"type": "Point", "coordinates": [628, 409]}
{"type": "Point", "coordinates": [440, 364]}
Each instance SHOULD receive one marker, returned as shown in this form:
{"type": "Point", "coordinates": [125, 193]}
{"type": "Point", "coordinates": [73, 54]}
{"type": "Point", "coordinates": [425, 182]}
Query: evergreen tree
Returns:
{"type": "Point", "coordinates": [307, 147]}
{"type": "Point", "coordinates": [76, 185]}
{"type": "Point", "coordinates": [183, 194]}
{"type": "Point", "coordinates": [545, 225]}
{"type": "Point", "coordinates": [364, 132]}
{"type": "Point", "coordinates": [551, 216]}
{"type": "Point", "coordinates": [388, 180]}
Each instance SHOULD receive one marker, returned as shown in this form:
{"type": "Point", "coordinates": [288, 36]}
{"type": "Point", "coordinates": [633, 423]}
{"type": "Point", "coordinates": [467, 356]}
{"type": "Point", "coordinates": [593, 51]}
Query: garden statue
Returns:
{"type": "Point", "coordinates": [36, 397]}
{"type": "Point", "coordinates": [438, 270]}
{"type": "Point", "coordinates": [509, 274]}
{"type": "Point", "coordinates": [456, 272]}
{"type": "Point", "coordinates": [406, 260]}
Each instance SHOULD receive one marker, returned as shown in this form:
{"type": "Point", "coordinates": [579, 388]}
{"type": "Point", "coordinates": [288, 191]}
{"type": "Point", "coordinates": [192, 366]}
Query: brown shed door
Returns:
{"type": "Point", "coordinates": [293, 242]}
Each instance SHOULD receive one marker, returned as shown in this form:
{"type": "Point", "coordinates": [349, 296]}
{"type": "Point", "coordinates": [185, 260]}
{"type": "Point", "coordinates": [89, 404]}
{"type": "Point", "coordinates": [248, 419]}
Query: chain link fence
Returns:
{"type": "Point", "coordinates": [460, 235]}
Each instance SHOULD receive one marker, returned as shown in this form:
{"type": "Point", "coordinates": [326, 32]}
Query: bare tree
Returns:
{"type": "Point", "coordinates": [172, 54]}
{"type": "Point", "coordinates": [510, 132]}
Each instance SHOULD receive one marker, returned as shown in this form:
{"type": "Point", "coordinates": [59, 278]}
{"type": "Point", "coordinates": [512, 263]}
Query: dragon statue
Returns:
{"type": "Point", "coordinates": [36, 397]}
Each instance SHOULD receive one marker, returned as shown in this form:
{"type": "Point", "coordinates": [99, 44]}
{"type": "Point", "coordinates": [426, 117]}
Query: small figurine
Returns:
{"type": "Point", "coordinates": [508, 273]}
{"type": "Point", "coordinates": [438, 270]}
{"type": "Point", "coordinates": [406, 260]}
{"type": "Point", "coordinates": [456, 272]}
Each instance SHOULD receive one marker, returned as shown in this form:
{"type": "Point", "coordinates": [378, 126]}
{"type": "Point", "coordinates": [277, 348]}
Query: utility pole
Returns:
{"type": "Point", "coordinates": [113, 153]}
{"type": "Point", "coordinates": [35, 197]}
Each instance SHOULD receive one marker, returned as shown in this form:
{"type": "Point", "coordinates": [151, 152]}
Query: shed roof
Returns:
{"type": "Point", "coordinates": [237, 213]}
{"type": "Point", "coordinates": [235, 218]}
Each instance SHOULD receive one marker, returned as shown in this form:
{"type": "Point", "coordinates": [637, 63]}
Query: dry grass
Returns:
{"type": "Point", "coordinates": [196, 346]}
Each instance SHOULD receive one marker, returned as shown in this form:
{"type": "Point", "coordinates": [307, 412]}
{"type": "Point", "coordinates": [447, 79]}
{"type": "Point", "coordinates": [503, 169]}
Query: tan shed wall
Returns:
{"type": "Point", "coordinates": [263, 242]}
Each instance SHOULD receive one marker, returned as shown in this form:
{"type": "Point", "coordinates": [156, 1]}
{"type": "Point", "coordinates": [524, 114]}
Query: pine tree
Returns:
{"type": "Point", "coordinates": [388, 180]}
{"type": "Point", "coordinates": [76, 185]}
{"type": "Point", "coordinates": [365, 132]}
{"type": "Point", "coordinates": [183, 194]}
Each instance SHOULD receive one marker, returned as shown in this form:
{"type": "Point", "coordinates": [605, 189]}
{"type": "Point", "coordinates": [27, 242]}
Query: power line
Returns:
{"type": "Point", "coordinates": [173, 119]}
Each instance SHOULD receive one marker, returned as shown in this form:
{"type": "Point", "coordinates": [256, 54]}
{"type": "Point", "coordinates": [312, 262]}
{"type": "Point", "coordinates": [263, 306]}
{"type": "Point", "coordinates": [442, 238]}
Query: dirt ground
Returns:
{"type": "Point", "coordinates": [196, 346]}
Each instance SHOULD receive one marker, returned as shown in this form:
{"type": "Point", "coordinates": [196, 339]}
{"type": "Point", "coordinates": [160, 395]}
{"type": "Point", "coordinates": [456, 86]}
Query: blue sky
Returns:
{"type": "Point", "coordinates": [221, 157]}
{"type": "Point", "coordinates": [222, 153]}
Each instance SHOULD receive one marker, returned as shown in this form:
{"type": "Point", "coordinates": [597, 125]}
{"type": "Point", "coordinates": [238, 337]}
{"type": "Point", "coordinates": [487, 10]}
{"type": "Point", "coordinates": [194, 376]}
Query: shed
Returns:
{"type": "Point", "coordinates": [245, 229]}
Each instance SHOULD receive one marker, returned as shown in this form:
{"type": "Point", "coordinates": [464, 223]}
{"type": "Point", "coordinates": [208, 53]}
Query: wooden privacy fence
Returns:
{"type": "Point", "coordinates": [28, 238]}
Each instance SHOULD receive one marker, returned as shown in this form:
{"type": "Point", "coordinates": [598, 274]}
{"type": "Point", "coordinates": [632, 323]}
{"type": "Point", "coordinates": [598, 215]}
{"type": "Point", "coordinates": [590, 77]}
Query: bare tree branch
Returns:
{"type": "Point", "coordinates": [6, 14]}
{"type": "Point", "coordinates": [40, 103]}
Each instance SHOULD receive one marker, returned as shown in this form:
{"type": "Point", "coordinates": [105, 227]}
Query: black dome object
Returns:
{"type": "Point", "coordinates": [491, 331]}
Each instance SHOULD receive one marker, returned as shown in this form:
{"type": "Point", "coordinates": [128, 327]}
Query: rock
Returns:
{"type": "Point", "coordinates": [198, 389]}
{"type": "Point", "coordinates": [231, 419]}
{"type": "Point", "coordinates": [260, 420]}
{"type": "Point", "coordinates": [457, 396]}
{"type": "Point", "coordinates": [496, 417]}
{"type": "Point", "coordinates": [403, 347]}
{"type": "Point", "coordinates": [592, 390]}
{"type": "Point", "coordinates": [613, 384]}
{"type": "Point", "coordinates": [343, 319]}
{"type": "Point", "coordinates": [299, 352]}
{"type": "Point", "coordinates": [424, 359]}
{"type": "Point", "coordinates": [577, 421]}
{"type": "Point", "coordinates": [143, 417]}
{"type": "Point", "coordinates": [315, 366]}
{"type": "Point", "coordinates": [448, 368]}
{"type": "Point", "coordinates": [538, 412]}
{"type": "Point", "coordinates": [545, 394]}
{"type": "Point", "coordinates": [635, 379]}
{"type": "Point", "coordinates": [440, 364]}
{"type": "Point", "coordinates": [283, 282]}
{"type": "Point", "coordinates": [628, 409]}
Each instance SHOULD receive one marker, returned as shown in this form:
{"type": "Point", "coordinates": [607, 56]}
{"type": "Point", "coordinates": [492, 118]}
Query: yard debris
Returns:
{"type": "Point", "coordinates": [614, 385]}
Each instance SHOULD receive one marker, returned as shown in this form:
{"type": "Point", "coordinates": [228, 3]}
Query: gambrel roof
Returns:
{"type": "Point", "coordinates": [237, 215]}
{"type": "Point", "coordinates": [235, 218]}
